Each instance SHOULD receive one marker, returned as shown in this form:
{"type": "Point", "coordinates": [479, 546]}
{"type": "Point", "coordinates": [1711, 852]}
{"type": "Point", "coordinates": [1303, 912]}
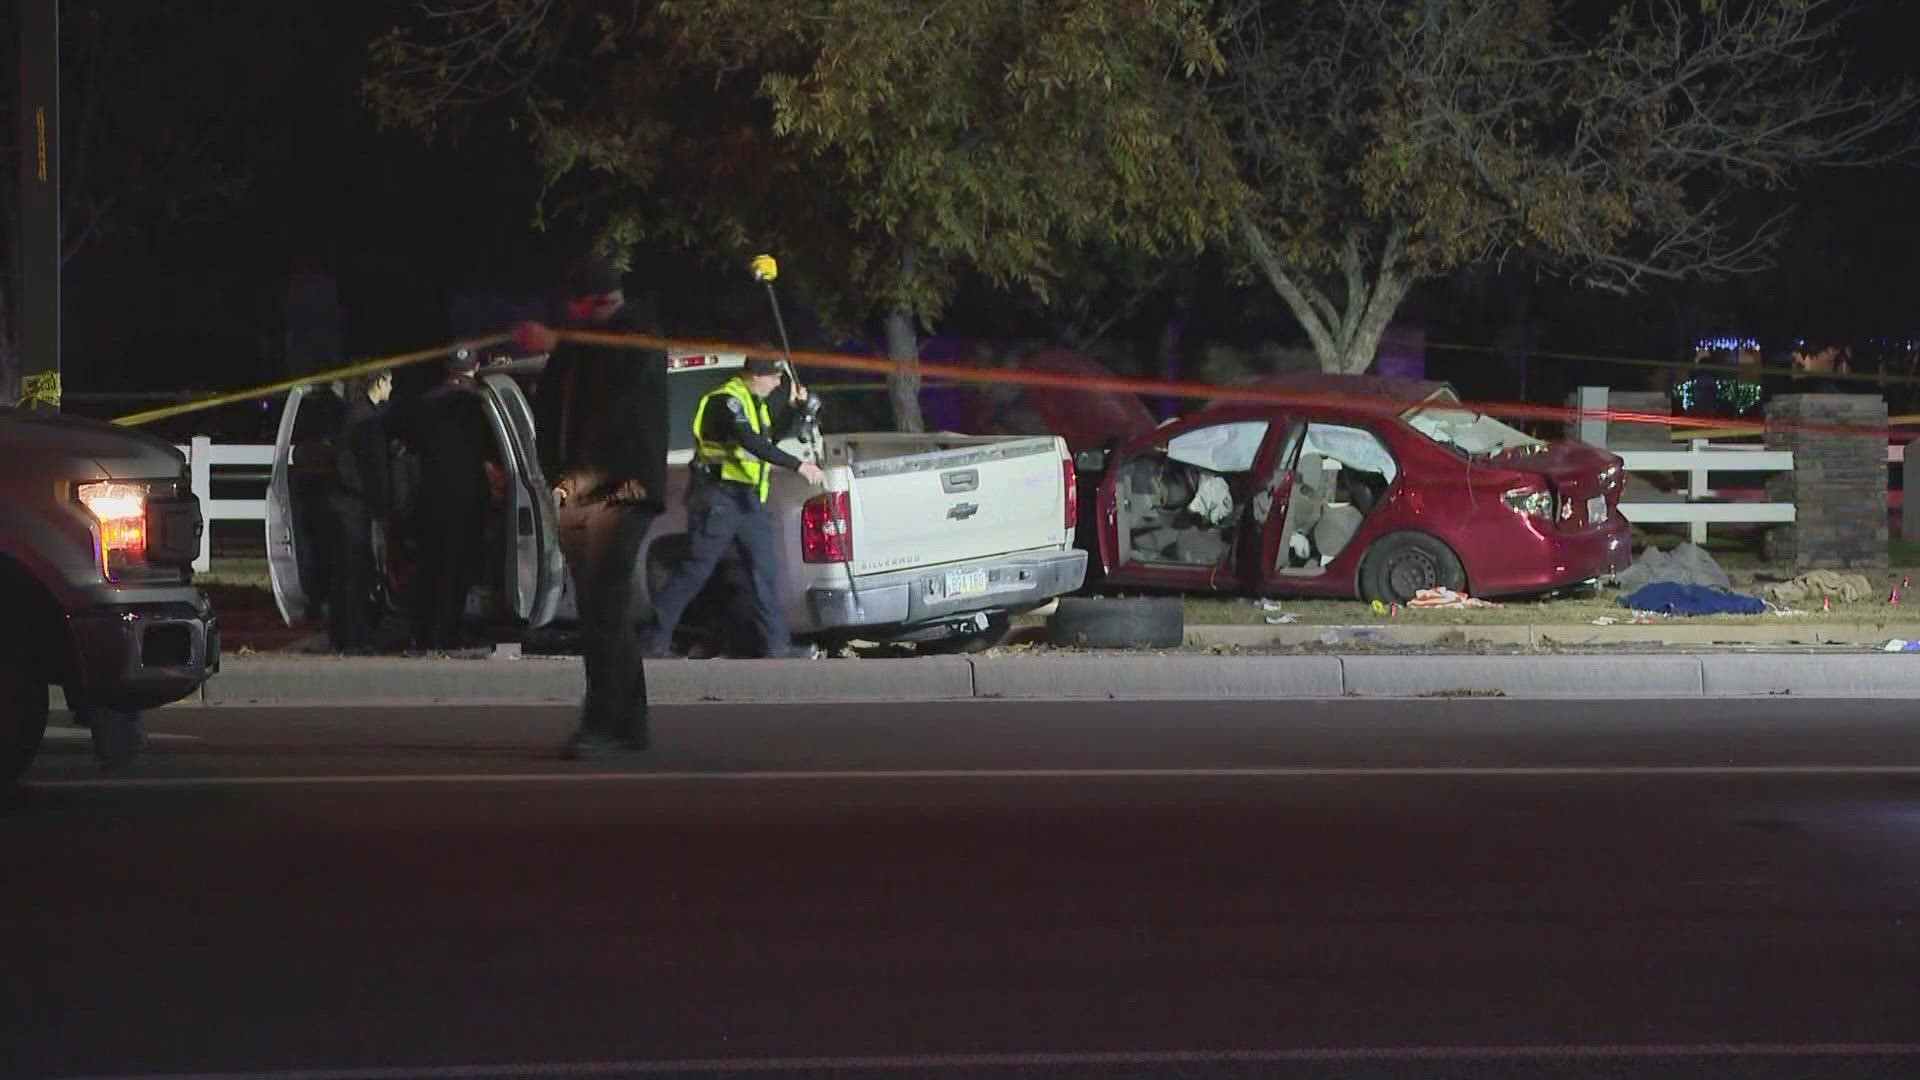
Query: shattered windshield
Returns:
{"type": "Point", "coordinates": [1444, 420]}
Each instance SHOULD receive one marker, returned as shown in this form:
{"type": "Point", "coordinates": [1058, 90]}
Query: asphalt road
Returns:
{"type": "Point", "coordinates": [1485, 889]}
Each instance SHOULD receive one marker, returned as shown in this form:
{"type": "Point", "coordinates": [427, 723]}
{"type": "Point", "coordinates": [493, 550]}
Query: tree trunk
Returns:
{"type": "Point", "coordinates": [1347, 338]}
{"type": "Point", "coordinates": [903, 386]}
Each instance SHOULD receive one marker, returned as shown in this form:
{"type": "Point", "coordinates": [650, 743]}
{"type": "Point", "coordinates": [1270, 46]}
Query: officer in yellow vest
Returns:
{"type": "Point", "coordinates": [735, 453]}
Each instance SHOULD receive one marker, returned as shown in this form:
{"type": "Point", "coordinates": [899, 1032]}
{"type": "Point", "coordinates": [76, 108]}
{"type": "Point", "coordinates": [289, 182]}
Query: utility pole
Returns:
{"type": "Point", "coordinates": [39, 197]}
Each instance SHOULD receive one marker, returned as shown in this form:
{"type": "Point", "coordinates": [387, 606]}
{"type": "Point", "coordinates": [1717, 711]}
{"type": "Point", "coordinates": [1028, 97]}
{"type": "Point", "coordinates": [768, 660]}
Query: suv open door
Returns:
{"type": "Point", "coordinates": [285, 520]}
{"type": "Point", "coordinates": [535, 570]}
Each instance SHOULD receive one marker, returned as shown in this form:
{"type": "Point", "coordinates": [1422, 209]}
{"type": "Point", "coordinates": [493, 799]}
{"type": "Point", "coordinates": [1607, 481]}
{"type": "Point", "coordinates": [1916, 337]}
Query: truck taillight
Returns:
{"type": "Point", "coordinates": [121, 511]}
{"type": "Point", "coordinates": [826, 528]}
{"type": "Point", "coordinates": [1072, 479]}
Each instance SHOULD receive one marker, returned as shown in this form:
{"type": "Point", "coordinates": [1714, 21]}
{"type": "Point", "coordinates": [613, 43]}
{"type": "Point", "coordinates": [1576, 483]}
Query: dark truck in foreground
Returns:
{"type": "Point", "coordinates": [99, 528]}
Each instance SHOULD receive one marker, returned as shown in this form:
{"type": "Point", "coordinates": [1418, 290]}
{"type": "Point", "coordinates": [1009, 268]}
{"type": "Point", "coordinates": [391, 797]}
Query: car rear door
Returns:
{"type": "Point", "coordinates": [535, 569]}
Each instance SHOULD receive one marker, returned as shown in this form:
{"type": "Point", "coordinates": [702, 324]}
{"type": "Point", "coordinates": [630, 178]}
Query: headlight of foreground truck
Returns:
{"type": "Point", "coordinates": [121, 511]}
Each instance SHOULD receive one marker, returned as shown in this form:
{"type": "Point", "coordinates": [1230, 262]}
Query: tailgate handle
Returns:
{"type": "Point", "coordinates": [960, 480]}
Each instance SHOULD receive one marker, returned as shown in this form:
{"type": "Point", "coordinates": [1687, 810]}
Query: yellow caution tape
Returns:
{"type": "Point", "coordinates": [365, 367]}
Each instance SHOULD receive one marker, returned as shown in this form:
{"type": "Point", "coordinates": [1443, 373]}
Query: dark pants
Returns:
{"type": "Point", "coordinates": [724, 517]}
{"type": "Point", "coordinates": [452, 540]}
{"type": "Point", "coordinates": [602, 545]}
{"type": "Point", "coordinates": [350, 607]}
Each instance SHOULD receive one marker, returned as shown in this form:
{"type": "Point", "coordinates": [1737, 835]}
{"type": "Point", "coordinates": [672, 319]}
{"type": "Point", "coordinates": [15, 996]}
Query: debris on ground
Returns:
{"type": "Point", "coordinates": [1847, 588]}
{"type": "Point", "coordinates": [1447, 598]}
{"type": "Point", "coordinates": [1284, 618]}
{"type": "Point", "coordinates": [1674, 598]}
{"type": "Point", "coordinates": [1688, 564]}
{"type": "Point", "coordinates": [1897, 645]}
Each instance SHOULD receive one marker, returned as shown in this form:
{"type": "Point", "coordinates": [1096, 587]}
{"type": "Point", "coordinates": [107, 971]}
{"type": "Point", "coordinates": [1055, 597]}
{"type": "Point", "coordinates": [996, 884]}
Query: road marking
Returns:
{"type": "Point", "coordinates": [77, 734]}
{"type": "Point", "coordinates": [857, 775]}
{"type": "Point", "coordinates": [1326, 1055]}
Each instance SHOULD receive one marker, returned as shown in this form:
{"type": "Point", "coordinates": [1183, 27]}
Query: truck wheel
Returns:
{"type": "Point", "coordinates": [118, 736]}
{"type": "Point", "coordinates": [1133, 622]}
{"type": "Point", "coordinates": [999, 629]}
{"type": "Point", "coordinates": [23, 718]}
{"type": "Point", "coordinates": [1401, 564]}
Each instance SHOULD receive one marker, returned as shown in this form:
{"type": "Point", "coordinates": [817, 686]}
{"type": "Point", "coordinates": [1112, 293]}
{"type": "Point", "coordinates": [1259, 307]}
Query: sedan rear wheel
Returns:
{"type": "Point", "coordinates": [1400, 565]}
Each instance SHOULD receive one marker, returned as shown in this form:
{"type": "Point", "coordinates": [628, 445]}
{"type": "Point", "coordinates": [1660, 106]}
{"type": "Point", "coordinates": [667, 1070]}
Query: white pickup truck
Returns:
{"type": "Point", "coordinates": [938, 539]}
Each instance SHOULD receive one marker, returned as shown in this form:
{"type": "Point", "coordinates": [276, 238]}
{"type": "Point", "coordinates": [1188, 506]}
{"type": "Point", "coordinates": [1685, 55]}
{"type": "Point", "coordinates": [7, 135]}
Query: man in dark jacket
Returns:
{"type": "Point", "coordinates": [454, 438]}
{"type": "Point", "coordinates": [602, 420]}
{"type": "Point", "coordinates": [359, 498]}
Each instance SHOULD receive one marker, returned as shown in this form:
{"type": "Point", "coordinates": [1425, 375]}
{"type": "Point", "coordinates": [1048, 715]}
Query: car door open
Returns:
{"type": "Point", "coordinates": [534, 569]}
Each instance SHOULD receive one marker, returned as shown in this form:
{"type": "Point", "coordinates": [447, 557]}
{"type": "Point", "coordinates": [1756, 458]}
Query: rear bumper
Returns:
{"type": "Point", "coordinates": [1560, 560]}
{"type": "Point", "coordinates": [918, 597]}
{"type": "Point", "coordinates": [142, 656]}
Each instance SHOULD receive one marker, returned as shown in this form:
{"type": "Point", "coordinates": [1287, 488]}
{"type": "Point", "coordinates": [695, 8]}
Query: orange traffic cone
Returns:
{"type": "Point", "coordinates": [1826, 603]}
{"type": "Point", "coordinates": [1893, 599]}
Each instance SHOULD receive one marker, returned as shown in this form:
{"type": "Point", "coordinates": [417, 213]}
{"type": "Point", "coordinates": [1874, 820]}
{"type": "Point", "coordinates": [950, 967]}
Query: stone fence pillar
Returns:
{"type": "Point", "coordinates": [1838, 484]}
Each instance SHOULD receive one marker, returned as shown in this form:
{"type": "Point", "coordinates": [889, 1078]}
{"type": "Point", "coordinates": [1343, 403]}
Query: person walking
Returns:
{"type": "Point", "coordinates": [602, 420]}
{"type": "Point", "coordinates": [736, 450]}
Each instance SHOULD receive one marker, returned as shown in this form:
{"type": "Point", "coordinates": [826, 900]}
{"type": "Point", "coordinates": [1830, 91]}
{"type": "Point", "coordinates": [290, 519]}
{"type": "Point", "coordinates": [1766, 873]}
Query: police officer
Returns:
{"type": "Point", "coordinates": [455, 442]}
{"type": "Point", "coordinates": [358, 499]}
{"type": "Point", "coordinates": [735, 452]}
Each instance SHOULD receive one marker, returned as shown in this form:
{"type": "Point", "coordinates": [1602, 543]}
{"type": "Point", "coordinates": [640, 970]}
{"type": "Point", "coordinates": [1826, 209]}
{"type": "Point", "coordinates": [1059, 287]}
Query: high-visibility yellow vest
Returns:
{"type": "Point", "coordinates": [733, 460]}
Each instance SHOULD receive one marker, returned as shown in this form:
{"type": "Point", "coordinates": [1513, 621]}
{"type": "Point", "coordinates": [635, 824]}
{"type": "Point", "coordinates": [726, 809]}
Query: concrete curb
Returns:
{"type": "Point", "coordinates": [337, 682]}
{"type": "Point", "coordinates": [1531, 635]}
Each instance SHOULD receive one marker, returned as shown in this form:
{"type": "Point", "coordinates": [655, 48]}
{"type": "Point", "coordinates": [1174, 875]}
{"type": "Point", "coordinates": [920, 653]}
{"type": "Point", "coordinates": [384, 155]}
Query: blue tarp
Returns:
{"type": "Point", "coordinates": [1673, 598]}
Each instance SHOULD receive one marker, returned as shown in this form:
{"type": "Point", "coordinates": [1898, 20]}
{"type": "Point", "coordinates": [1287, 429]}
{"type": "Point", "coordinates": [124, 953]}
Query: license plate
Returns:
{"type": "Point", "coordinates": [1597, 509]}
{"type": "Point", "coordinates": [966, 582]}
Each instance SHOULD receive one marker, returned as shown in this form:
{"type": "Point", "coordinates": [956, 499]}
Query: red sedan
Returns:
{"type": "Point", "coordinates": [1398, 488]}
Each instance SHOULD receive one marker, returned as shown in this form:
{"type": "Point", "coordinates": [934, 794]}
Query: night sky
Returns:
{"type": "Point", "coordinates": [405, 226]}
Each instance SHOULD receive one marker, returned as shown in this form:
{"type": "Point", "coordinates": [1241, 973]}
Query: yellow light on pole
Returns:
{"type": "Point", "coordinates": [764, 268]}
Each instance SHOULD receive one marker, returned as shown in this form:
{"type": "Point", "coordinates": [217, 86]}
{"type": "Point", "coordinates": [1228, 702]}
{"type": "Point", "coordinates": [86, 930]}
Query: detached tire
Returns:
{"type": "Point", "coordinates": [1399, 565]}
{"type": "Point", "coordinates": [1135, 622]}
{"type": "Point", "coordinates": [23, 719]}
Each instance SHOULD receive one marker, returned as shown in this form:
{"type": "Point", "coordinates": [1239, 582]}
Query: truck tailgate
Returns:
{"type": "Point", "coordinates": [992, 496]}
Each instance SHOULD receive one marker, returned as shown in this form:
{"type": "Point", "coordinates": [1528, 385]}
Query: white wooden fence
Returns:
{"type": "Point", "coordinates": [203, 456]}
{"type": "Point", "coordinates": [1697, 508]}
{"type": "Point", "coordinates": [1698, 511]}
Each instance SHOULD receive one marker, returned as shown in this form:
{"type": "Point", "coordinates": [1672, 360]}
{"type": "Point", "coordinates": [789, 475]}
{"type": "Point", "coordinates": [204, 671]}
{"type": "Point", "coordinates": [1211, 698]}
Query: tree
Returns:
{"type": "Point", "coordinates": [150, 125]}
{"type": "Point", "coordinates": [889, 145]}
{"type": "Point", "coordinates": [1387, 142]}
